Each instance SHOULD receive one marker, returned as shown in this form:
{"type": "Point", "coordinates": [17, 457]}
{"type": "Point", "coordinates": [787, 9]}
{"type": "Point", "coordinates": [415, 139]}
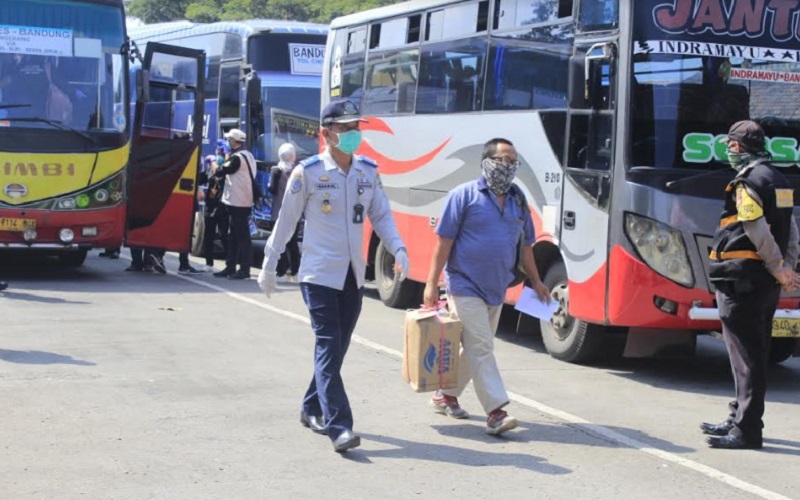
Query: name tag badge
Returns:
{"type": "Point", "coordinates": [358, 214]}
{"type": "Point", "coordinates": [784, 198]}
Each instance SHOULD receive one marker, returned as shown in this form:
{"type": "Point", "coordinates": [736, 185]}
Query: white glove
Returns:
{"type": "Point", "coordinates": [401, 261]}
{"type": "Point", "coordinates": [268, 282]}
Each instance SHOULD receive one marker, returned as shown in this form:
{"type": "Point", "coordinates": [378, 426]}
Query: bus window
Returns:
{"type": "Point", "coordinates": [389, 34]}
{"type": "Point", "coordinates": [596, 15]}
{"type": "Point", "coordinates": [451, 76]}
{"type": "Point", "coordinates": [590, 142]}
{"type": "Point", "coordinates": [457, 21]}
{"type": "Point", "coordinates": [351, 64]}
{"type": "Point", "coordinates": [516, 13]}
{"type": "Point", "coordinates": [391, 83]}
{"type": "Point", "coordinates": [526, 77]}
{"type": "Point", "coordinates": [229, 92]}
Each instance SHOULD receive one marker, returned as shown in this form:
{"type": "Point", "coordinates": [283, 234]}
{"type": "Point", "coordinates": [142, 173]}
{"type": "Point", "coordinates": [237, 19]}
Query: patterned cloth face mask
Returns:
{"type": "Point", "coordinates": [499, 176]}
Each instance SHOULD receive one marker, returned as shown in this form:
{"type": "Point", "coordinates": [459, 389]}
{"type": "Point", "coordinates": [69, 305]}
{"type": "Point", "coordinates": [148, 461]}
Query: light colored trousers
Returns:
{"type": "Point", "coordinates": [477, 362]}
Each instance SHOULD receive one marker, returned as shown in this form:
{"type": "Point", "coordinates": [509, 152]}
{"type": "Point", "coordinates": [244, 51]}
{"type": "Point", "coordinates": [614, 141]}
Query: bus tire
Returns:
{"type": "Point", "coordinates": [198, 233]}
{"type": "Point", "coordinates": [567, 338]}
{"type": "Point", "coordinates": [781, 349]}
{"type": "Point", "coordinates": [72, 259]}
{"type": "Point", "coordinates": [393, 292]}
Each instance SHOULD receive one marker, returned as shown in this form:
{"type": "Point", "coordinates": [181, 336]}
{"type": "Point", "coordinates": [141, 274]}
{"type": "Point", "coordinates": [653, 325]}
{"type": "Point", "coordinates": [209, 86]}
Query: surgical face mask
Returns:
{"type": "Point", "coordinates": [499, 177]}
{"type": "Point", "coordinates": [220, 159]}
{"type": "Point", "coordinates": [349, 141]}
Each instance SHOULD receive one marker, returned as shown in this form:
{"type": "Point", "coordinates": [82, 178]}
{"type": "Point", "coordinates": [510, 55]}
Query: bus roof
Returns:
{"type": "Point", "coordinates": [242, 28]}
{"type": "Point", "coordinates": [388, 11]}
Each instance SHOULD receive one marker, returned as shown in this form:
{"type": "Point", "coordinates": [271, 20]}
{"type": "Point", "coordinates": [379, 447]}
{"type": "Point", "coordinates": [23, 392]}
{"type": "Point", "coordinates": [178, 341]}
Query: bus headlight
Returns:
{"type": "Point", "coordinates": [660, 247]}
{"type": "Point", "coordinates": [106, 194]}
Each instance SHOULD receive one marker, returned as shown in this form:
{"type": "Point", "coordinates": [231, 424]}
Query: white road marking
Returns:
{"type": "Point", "coordinates": [571, 419]}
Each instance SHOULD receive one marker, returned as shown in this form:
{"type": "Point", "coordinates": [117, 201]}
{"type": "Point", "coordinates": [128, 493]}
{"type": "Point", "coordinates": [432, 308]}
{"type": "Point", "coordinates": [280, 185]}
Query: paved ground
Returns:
{"type": "Point", "coordinates": [121, 386]}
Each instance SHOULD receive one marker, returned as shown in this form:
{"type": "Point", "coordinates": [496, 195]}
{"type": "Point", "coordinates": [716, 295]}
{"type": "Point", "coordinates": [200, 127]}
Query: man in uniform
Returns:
{"type": "Point", "coordinates": [239, 171]}
{"type": "Point", "coordinates": [753, 256]}
{"type": "Point", "coordinates": [337, 191]}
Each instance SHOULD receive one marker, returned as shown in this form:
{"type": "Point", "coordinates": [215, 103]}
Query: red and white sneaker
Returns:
{"type": "Point", "coordinates": [447, 405]}
{"type": "Point", "coordinates": [499, 422]}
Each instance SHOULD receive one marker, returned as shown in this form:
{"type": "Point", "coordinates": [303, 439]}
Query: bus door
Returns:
{"type": "Point", "coordinates": [165, 156]}
{"type": "Point", "coordinates": [587, 183]}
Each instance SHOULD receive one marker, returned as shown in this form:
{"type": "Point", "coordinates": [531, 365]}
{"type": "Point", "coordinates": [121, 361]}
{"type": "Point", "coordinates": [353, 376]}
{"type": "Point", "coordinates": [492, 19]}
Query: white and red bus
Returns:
{"type": "Point", "coordinates": [78, 169]}
{"type": "Point", "coordinates": [616, 109]}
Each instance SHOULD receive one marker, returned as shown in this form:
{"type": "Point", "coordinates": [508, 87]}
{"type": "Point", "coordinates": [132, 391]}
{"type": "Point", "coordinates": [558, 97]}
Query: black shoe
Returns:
{"type": "Point", "coordinates": [134, 269]}
{"type": "Point", "coordinates": [113, 255]}
{"type": "Point", "coordinates": [239, 275]}
{"type": "Point", "coordinates": [158, 264]}
{"type": "Point", "coordinates": [3, 285]}
{"type": "Point", "coordinates": [346, 441]}
{"type": "Point", "coordinates": [223, 274]}
{"type": "Point", "coordinates": [104, 254]}
{"type": "Point", "coordinates": [313, 422]}
{"type": "Point", "coordinates": [731, 442]}
{"type": "Point", "coordinates": [716, 429]}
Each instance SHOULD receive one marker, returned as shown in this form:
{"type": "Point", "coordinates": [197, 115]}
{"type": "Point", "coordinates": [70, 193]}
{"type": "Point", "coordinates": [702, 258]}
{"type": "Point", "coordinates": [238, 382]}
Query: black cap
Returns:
{"type": "Point", "coordinates": [341, 111]}
{"type": "Point", "coordinates": [748, 134]}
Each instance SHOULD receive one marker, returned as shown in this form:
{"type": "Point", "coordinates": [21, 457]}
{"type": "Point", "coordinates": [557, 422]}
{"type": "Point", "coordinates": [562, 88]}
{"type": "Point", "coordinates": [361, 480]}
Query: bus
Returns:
{"type": "Point", "coordinates": [616, 108]}
{"type": "Point", "coordinates": [261, 76]}
{"type": "Point", "coordinates": [75, 172]}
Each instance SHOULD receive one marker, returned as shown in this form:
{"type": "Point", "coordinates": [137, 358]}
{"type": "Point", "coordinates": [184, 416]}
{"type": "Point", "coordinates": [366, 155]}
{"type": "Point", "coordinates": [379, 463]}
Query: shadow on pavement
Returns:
{"type": "Point", "coordinates": [569, 434]}
{"type": "Point", "coordinates": [404, 449]}
{"type": "Point", "coordinates": [40, 358]}
{"type": "Point", "coordinates": [12, 294]}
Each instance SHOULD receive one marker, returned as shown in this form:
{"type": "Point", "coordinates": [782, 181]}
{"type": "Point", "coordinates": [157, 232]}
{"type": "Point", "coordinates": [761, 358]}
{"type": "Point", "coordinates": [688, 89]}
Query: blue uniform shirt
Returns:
{"type": "Point", "coordinates": [486, 241]}
{"type": "Point", "coordinates": [332, 241]}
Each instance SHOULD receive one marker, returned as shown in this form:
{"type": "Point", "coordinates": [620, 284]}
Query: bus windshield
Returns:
{"type": "Point", "coordinates": [290, 68]}
{"type": "Point", "coordinates": [291, 115]}
{"type": "Point", "coordinates": [61, 68]}
{"type": "Point", "coordinates": [682, 104]}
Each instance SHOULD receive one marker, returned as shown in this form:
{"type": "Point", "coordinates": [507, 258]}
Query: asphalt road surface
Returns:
{"type": "Point", "coordinates": [131, 386]}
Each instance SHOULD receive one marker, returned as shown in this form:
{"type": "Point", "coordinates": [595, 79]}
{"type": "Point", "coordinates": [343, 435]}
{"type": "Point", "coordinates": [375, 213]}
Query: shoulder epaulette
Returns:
{"type": "Point", "coordinates": [311, 160]}
{"type": "Point", "coordinates": [368, 161]}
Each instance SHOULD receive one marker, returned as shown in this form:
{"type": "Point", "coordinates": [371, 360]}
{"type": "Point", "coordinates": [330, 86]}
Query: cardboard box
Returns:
{"type": "Point", "coordinates": [430, 350]}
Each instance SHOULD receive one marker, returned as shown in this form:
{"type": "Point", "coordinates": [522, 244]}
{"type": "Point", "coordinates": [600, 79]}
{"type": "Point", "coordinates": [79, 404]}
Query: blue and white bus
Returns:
{"type": "Point", "coordinates": [261, 76]}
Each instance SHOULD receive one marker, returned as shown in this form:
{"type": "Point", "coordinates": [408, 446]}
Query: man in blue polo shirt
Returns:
{"type": "Point", "coordinates": [479, 234]}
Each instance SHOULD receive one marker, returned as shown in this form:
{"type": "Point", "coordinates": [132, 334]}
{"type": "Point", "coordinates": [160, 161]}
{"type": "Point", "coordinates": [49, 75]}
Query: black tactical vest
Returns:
{"type": "Point", "coordinates": [733, 255]}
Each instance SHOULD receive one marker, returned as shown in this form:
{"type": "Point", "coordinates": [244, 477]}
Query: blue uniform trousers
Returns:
{"type": "Point", "coordinates": [334, 315]}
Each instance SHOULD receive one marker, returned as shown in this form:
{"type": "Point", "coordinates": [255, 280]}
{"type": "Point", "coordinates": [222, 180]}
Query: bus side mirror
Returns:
{"type": "Point", "coordinates": [142, 85]}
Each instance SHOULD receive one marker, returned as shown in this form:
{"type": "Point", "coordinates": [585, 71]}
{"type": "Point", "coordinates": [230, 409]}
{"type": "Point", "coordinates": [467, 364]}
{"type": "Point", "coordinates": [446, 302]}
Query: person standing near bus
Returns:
{"type": "Point", "coordinates": [289, 263]}
{"type": "Point", "coordinates": [337, 191]}
{"type": "Point", "coordinates": [239, 171]}
{"type": "Point", "coordinates": [478, 241]}
{"type": "Point", "coordinates": [215, 216]}
{"type": "Point", "coordinates": [753, 255]}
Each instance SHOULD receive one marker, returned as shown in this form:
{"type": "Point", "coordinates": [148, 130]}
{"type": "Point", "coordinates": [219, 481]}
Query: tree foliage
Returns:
{"type": "Point", "coordinates": [319, 11]}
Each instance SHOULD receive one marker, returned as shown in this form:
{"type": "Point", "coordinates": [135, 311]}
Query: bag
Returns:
{"type": "Point", "coordinates": [257, 194]}
{"type": "Point", "coordinates": [519, 265]}
{"type": "Point", "coordinates": [431, 345]}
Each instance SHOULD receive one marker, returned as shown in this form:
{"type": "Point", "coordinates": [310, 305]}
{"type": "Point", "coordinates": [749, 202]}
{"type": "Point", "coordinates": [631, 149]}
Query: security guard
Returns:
{"type": "Point", "coordinates": [336, 191]}
{"type": "Point", "coordinates": [753, 255]}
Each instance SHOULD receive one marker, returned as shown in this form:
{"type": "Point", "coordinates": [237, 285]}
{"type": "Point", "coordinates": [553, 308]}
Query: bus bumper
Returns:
{"type": "Point", "coordinates": [712, 313]}
{"type": "Point", "coordinates": [102, 228]}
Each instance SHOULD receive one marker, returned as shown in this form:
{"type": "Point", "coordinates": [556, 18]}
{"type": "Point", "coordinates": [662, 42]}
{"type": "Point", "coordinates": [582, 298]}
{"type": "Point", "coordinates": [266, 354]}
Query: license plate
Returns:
{"type": "Point", "coordinates": [786, 327]}
{"type": "Point", "coordinates": [18, 225]}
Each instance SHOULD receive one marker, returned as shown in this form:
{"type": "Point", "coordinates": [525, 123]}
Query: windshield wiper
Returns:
{"type": "Point", "coordinates": [12, 106]}
{"type": "Point", "coordinates": [682, 180]}
{"type": "Point", "coordinates": [54, 123]}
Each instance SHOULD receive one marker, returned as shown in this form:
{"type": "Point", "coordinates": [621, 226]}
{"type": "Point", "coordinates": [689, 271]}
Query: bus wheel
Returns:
{"type": "Point", "coordinates": [781, 349]}
{"type": "Point", "coordinates": [198, 232]}
{"type": "Point", "coordinates": [72, 259]}
{"type": "Point", "coordinates": [393, 292]}
{"type": "Point", "coordinates": [567, 338]}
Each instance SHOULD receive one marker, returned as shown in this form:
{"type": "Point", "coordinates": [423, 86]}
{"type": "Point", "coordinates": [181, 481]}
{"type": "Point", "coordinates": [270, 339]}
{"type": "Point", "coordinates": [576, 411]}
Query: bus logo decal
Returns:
{"type": "Point", "coordinates": [16, 190]}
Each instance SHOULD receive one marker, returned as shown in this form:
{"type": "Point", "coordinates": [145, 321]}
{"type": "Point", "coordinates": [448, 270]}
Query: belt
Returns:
{"type": "Point", "coordinates": [734, 254]}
